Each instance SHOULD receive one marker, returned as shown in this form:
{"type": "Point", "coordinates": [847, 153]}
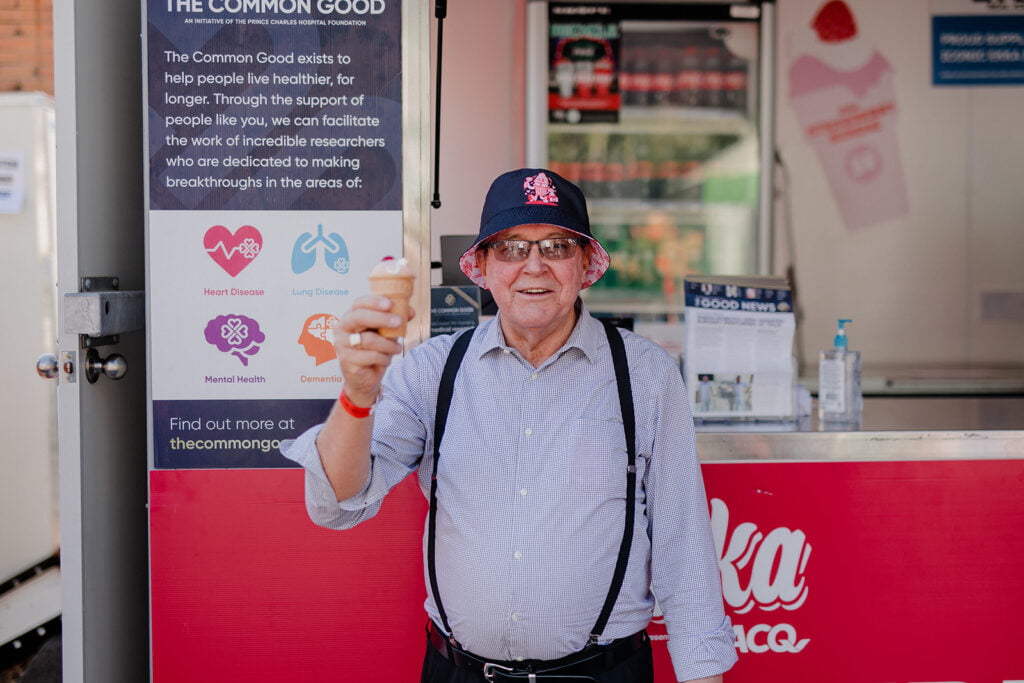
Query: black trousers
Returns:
{"type": "Point", "coordinates": [637, 669]}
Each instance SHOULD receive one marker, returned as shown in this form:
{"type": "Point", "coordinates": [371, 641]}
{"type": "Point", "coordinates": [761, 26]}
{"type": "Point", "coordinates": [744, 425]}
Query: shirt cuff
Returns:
{"type": "Point", "coordinates": [303, 451]}
{"type": "Point", "coordinates": [705, 655]}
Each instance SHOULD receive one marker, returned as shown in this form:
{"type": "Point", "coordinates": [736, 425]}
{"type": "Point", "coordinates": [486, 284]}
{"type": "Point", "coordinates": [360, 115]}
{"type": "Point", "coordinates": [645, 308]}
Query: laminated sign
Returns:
{"type": "Point", "coordinates": [274, 148]}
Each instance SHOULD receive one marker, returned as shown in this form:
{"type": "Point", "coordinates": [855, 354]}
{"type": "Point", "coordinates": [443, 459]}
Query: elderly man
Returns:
{"type": "Point", "coordinates": [558, 455]}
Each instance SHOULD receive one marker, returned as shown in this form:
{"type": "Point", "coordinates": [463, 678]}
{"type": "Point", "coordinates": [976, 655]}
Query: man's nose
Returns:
{"type": "Point", "coordinates": [534, 261]}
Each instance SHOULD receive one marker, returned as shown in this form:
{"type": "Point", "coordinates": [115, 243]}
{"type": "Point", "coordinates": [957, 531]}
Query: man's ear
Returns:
{"type": "Point", "coordinates": [481, 263]}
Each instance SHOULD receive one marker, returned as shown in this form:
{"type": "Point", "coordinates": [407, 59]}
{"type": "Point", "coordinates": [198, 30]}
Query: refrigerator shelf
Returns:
{"type": "Point", "coordinates": [676, 121]}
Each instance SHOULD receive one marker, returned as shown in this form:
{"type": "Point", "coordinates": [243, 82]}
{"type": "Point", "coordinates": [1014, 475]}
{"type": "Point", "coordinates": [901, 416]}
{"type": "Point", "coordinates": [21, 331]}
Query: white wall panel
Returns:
{"type": "Point", "coordinates": [28, 457]}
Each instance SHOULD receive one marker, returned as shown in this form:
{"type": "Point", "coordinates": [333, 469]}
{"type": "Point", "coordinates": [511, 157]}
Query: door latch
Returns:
{"type": "Point", "coordinates": [99, 313]}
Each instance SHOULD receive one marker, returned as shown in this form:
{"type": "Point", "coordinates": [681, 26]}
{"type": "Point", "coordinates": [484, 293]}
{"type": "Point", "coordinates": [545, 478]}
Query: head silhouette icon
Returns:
{"type": "Point", "coordinates": [316, 337]}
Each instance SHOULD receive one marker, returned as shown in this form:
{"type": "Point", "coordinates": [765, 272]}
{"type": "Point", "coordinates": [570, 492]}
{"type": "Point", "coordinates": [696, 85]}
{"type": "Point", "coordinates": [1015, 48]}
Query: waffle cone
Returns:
{"type": "Point", "coordinates": [398, 288]}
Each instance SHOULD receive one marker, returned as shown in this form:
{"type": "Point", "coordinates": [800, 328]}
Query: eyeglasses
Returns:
{"type": "Point", "coordinates": [552, 249]}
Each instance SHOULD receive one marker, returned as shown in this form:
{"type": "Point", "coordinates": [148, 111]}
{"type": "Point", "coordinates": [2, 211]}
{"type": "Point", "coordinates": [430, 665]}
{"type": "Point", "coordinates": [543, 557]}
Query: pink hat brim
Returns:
{"type": "Point", "coordinates": [599, 261]}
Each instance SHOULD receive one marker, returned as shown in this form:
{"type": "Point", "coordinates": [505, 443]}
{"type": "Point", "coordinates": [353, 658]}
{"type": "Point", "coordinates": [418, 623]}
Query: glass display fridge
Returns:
{"type": "Point", "coordinates": [661, 112]}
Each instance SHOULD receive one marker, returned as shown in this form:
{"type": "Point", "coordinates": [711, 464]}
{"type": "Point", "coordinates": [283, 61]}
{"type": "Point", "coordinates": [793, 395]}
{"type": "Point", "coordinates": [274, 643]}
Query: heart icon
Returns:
{"type": "Point", "coordinates": [233, 252]}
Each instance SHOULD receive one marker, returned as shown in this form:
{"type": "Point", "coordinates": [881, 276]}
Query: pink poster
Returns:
{"type": "Point", "coordinates": [841, 88]}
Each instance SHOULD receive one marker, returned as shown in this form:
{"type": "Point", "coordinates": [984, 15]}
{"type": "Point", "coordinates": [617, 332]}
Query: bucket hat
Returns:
{"type": "Point", "coordinates": [532, 196]}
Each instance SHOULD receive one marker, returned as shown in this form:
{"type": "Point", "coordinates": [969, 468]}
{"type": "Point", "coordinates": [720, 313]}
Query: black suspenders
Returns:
{"type": "Point", "coordinates": [618, 350]}
{"type": "Point", "coordinates": [444, 399]}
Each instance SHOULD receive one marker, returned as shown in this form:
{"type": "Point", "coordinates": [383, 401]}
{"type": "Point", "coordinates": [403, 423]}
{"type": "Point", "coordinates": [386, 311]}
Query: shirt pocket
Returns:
{"type": "Point", "coordinates": [597, 457]}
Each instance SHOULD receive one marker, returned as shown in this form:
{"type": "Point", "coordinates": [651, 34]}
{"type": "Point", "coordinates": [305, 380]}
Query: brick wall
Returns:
{"type": "Point", "coordinates": [26, 45]}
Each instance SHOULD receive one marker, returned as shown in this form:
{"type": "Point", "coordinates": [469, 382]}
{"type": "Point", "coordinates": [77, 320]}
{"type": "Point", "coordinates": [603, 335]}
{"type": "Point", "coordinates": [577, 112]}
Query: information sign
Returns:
{"type": "Point", "coordinates": [978, 42]}
{"type": "Point", "coordinates": [274, 148]}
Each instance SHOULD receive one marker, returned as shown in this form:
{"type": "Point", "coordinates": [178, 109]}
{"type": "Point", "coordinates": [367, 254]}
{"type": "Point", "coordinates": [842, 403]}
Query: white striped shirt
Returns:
{"type": "Point", "coordinates": [531, 496]}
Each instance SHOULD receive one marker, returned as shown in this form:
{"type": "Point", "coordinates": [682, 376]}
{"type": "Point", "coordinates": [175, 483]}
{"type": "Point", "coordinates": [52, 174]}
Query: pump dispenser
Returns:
{"type": "Point", "coordinates": [839, 395]}
{"type": "Point", "coordinates": [840, 341]}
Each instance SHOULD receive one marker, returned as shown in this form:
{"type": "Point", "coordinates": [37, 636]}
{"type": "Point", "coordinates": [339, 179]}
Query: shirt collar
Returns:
{"type": "Point", "coordinates": [585, 336]}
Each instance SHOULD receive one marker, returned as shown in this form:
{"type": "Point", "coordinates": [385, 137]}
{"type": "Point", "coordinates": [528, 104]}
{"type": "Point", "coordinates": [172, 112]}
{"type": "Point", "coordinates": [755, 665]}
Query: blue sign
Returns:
{"type": "Point", "coordinates": [453, 309]}
{"type": "Point", "coordinates": [978, 50]}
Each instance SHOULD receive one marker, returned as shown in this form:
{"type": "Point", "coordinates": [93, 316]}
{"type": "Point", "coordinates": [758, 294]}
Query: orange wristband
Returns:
{"type": "Point", "coordinates": [351, 408]}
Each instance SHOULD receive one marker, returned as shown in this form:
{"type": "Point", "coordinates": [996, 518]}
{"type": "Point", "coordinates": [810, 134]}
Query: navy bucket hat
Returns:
{"type": "Point", "coordinates": [532, 196]}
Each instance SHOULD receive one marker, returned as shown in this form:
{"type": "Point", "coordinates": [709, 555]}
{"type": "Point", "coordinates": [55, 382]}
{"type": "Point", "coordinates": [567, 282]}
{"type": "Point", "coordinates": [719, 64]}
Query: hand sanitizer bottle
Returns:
{"type": "Point", "coordinates": [839, 396]}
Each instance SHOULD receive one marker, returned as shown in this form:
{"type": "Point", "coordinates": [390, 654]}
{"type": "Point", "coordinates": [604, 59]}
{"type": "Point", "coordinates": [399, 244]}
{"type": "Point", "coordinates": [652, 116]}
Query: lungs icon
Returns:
{"type": "Point", "coordinates": [304, 253]}
{"type": "Point", "coordinates": [336, 253]}
{"type": "Point", "coordinates": [334, 249]}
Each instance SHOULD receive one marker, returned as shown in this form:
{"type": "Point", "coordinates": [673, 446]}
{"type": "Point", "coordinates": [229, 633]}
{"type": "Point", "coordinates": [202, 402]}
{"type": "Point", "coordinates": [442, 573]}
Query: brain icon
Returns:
{"type": "Point", "coordinates": [317, 337]}
{"type": "Point", "coordinates": [236, 334]}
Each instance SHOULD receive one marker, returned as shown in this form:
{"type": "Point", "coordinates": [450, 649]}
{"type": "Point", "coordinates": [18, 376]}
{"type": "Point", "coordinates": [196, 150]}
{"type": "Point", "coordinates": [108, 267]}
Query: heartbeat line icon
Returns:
{"type": "Point", "coordinates": [248, 249]}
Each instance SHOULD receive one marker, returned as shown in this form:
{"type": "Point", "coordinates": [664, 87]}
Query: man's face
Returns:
{"type": "Point", "coordinates": [534, 295]}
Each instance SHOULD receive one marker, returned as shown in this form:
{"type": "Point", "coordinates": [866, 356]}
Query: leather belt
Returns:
{"type": "Point", "coordinates": [587, 663]}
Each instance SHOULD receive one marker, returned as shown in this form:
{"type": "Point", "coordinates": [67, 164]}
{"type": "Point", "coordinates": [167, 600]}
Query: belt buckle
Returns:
{"type": "Point", "coordinates": [489, 671]}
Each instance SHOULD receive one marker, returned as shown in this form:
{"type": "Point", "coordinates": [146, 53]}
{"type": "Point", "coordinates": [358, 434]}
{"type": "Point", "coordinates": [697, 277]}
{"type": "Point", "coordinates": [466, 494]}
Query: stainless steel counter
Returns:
{"type": "Point", "coordinates": [865, 446]}
{"type": "Point", "coordinates": [906, 428]}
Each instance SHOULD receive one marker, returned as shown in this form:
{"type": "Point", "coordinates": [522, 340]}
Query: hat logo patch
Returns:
{"type": "Point", "coordinates": [540, 190]}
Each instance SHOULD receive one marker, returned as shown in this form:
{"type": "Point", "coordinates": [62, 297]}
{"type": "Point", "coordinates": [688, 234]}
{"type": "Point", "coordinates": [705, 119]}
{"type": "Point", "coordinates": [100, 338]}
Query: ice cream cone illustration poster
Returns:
{"type": "Point", "coordinates": [841, 89]}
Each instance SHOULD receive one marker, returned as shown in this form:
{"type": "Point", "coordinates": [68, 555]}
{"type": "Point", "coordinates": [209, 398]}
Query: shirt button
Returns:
{"type": "Point", "coordinates": [515, 617]}
{"type": "Point", "coordinates": [529, 431]}
{"type": "Point", "coordinates": [533, 376]}
{"type": "Point", "coordinates": [518, 555]}
{"type": "Point", "coordinates": [522, 492]}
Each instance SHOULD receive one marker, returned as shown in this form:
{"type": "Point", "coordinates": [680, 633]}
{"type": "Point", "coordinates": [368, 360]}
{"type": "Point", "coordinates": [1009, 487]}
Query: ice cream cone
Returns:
{"type": "Point", "coordinates": [394, 279]}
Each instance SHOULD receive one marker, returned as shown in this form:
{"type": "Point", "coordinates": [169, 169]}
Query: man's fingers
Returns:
{"type": "Point", "coordinates": [366, 340]}
{"type": "Point", "coordinates": [363, 319]}
{"type": "Point", "coordinates": [355, 340]}
{"type": "Point", "coordinates": [363, 354]}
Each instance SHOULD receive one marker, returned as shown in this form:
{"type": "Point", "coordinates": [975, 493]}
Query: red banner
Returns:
{"type": "Point", "coordinates": [847, 572]}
